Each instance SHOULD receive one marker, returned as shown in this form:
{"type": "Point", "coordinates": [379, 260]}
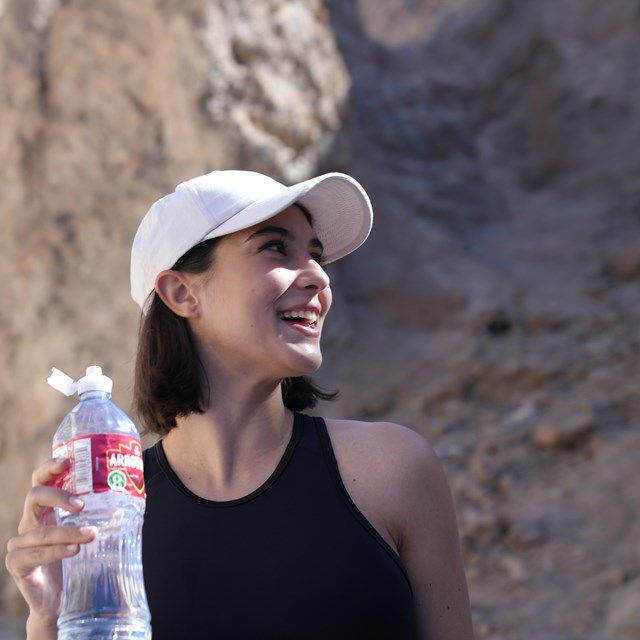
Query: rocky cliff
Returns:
{"type": "Point", "coordinates": [494, 308]}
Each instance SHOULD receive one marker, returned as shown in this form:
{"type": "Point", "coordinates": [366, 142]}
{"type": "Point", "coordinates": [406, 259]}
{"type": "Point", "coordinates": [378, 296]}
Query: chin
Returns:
{"type": "Point", "coordinates": [306, 364]}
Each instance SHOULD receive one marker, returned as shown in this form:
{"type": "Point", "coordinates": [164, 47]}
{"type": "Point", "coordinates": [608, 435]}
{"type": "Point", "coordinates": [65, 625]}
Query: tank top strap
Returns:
{"type": "Point", "coordinates": [315, 436]}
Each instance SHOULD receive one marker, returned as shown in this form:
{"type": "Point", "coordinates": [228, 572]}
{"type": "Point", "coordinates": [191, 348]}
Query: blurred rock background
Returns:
{"type": "Point", "coordinates": [494, 308]}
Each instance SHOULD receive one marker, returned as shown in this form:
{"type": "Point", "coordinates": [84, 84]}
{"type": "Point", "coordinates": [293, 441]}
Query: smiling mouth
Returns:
{"type": "Point", "coordinates": [302, 316]}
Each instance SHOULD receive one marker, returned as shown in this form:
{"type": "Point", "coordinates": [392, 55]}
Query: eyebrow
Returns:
{"type": "Point", "coordinates": [284, 233]}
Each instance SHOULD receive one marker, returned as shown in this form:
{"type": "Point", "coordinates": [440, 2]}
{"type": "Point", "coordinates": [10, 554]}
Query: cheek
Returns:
{"type": "Point", "coordinates": [326, 298]}
{"type": "Point", "coordinates": [262, 298]}
{"type": "Point", "coordinates": [273, 285]}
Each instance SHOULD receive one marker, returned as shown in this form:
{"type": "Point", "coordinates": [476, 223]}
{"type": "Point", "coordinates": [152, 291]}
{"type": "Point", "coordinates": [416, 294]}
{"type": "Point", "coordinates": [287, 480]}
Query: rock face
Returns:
{"type": "Point", "coordinates": [496, 303]}
{"type": "Point", "coordinates": [493, 309]}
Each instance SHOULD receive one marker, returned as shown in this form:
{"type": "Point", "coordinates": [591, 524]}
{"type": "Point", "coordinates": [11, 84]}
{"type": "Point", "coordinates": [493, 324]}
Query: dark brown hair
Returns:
{"type": "Point", "coordinates": [170, 380]}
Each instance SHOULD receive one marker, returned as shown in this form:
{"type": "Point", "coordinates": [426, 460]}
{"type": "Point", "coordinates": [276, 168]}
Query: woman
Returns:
{"type": "Point", "coordinates": [261, 522]}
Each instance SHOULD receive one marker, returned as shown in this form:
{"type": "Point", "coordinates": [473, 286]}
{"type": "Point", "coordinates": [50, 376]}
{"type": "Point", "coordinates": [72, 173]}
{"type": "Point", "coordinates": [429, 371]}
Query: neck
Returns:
{"type": "Point", "coordinates": [233, 447]}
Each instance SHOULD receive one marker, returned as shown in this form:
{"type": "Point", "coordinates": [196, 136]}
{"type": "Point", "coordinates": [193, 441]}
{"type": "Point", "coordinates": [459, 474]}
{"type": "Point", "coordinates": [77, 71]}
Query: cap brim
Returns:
{"type": "Point", "coordinates": [341, 211]}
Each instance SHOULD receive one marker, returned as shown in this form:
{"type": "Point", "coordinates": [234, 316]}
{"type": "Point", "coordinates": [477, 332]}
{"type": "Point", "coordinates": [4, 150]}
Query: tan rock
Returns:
{"type": "Point", "coordinates": [565, 426]}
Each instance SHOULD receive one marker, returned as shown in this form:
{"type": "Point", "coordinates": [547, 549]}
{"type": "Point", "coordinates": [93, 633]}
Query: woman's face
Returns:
{"type": "Point", "coordinates": [262, 306]}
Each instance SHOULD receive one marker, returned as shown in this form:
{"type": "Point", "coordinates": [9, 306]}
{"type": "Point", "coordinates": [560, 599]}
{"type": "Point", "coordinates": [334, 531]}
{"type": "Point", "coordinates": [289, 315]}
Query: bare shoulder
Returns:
{"type": "Point", "coordinates": [387, 468]}
{"type": "Point", "coordinates": [374, 433]}
{"type": "Point", "coordinates": [397, 450]}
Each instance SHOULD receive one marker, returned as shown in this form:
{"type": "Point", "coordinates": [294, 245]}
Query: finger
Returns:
{"type": "Point", "coordinates": [51, 497]}
{"type": "Point", "coordinates": [21, 562]}
{"type": "Point", "coordinates": [47, 473]}
{"type": "Point", "coordinates": [43, 546]}
{"type": "Point", "coordinates": [41, 500]}
{"type": "Point", "coordinates": [52, 535]}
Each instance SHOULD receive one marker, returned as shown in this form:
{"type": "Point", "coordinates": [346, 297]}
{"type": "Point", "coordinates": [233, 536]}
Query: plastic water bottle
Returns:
{"type": "Point", "coordinates": [103, 596]}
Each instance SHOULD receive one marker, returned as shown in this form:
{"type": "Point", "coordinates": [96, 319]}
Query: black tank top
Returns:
{"type": "Point", "coordinates": [294, 560]}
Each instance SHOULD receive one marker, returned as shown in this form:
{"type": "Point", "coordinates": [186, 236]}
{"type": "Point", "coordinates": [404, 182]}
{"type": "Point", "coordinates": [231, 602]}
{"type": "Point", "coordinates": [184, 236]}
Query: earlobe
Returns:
{"type": "Point", "coordinates": [176, 291]}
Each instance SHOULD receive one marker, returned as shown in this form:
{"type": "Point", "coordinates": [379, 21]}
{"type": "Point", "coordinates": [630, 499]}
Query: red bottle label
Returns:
{"type": "Point", "coordinates": [103, 462]}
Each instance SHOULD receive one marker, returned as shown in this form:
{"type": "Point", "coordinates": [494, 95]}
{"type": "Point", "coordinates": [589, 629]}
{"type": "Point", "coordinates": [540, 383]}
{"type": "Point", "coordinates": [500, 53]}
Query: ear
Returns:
{"type": "Point", "coordinates": [177, 291]}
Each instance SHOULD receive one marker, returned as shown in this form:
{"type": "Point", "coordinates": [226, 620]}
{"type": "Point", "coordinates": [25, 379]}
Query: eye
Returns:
{"type": "Point", "coordinates": [319, 258]}
{"type": "Point", "coordinates": [277, 246]}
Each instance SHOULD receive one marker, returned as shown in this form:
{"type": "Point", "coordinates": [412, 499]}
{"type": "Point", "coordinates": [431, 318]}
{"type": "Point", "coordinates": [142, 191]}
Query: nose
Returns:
{"type": "Point", "coordinates": [313, 276]}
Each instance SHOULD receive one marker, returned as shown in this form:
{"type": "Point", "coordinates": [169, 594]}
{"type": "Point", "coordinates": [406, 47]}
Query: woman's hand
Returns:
{"type": "Point", "coordinates": [34, 555]}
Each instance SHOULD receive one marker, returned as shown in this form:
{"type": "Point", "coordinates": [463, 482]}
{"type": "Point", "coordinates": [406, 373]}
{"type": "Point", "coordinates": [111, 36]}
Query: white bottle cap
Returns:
{"type": "Point", "coordinates": [62, 382]}
{"type": "Point", "coordinates": [94, 380]}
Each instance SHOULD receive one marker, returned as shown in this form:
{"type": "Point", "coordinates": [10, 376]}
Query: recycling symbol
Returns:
{"type": "Point", "coordinates": [117, 480]}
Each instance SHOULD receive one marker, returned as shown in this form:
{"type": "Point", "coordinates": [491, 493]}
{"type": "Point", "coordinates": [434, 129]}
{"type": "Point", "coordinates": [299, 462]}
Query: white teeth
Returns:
{"type": "Point", "coordinates": [311, 316]}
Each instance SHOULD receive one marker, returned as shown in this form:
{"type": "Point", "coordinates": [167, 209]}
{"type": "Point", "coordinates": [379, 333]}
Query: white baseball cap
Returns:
{"type": "Point", "coordinates": [222, 202]}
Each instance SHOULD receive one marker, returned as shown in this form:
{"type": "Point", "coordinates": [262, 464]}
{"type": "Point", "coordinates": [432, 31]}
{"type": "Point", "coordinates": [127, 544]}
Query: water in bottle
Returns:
{"type": "Point", "coordinates": [103, 596]}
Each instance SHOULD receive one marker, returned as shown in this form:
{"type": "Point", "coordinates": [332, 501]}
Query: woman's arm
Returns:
{"type": "Point", "coordinates": [430, 547]}
{"type": "Point", "coordinates": [396, 480]}
{"type": "Point", "coordinates": [34, 555]}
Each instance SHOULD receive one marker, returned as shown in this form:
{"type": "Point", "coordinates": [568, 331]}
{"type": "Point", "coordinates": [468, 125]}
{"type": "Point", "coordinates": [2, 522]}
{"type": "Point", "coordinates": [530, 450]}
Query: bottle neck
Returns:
{"type": "Point", "coordinates": [94, 394]}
